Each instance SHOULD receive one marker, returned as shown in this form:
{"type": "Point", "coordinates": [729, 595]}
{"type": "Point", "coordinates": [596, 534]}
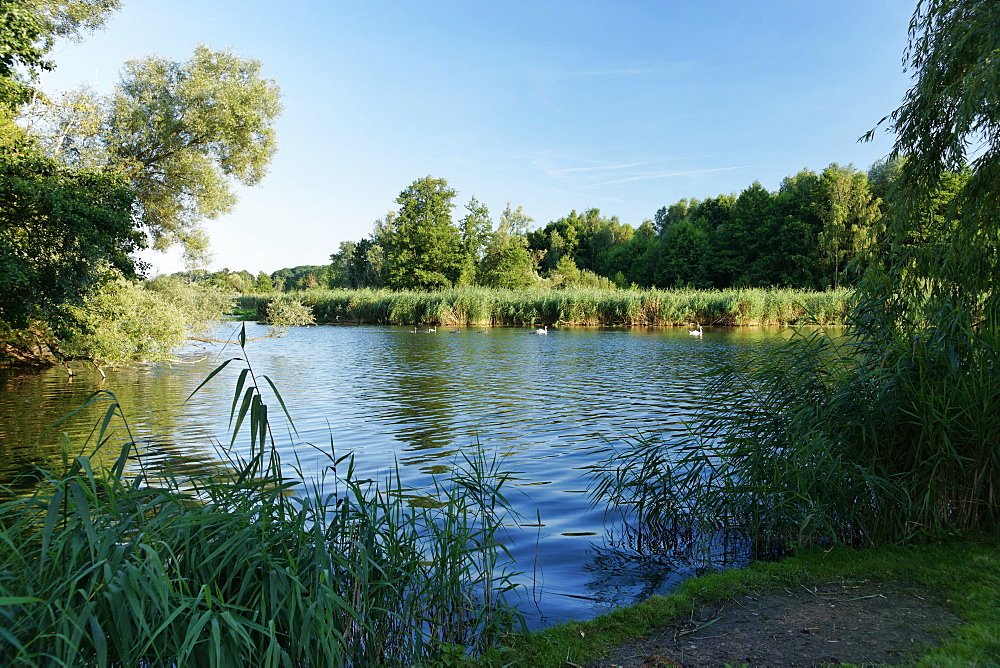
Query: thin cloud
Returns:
{"type": "Point", "coordinates": [592, 171]}
{"type": "Point", "coordinates": [667, 175]}
{"type": "Point", "coordinates": [607, 168]}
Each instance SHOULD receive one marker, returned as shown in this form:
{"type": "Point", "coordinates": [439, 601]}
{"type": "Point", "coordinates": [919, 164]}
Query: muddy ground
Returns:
{"type": "Point", "coordinates": [861, 622]}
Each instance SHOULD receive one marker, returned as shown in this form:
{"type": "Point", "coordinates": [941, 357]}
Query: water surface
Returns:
{"type": "Point", "coordinates": [542, 404]}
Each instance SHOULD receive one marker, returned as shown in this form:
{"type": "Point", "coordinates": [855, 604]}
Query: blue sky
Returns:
{"type": "Point", "coordinates": [624, 105]}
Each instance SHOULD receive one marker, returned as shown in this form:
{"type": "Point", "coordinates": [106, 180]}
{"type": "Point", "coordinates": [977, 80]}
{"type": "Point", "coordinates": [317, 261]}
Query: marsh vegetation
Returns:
{"type": "Point", "coordinates": [126, 566]}
{"type": "Point", "coordinates": [570, 306]}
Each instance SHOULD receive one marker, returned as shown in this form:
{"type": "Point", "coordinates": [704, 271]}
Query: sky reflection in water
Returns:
{"type": "Point", "coordinates": [540, 403]}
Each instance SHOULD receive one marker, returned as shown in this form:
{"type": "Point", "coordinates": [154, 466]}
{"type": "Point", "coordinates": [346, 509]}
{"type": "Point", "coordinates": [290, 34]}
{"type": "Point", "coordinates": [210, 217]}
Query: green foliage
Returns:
{"type": "Point", "coordinates": [849, 216]}
{"type": "Point", "coordinates": [476, 230]}
{"type": "Point", "coordinates": [262, 284]}
{"type": "Point", "coordinates": [892, 431]}
{"type": "Point", "coordinates": [125, 322]}
{"type": "Point", "coordinates": [358, 265]}
{"type": "Point", "coordinates": [180, 131]}
{"type": "Point", "coordinates": [28, 34]}
{"type": "Point", "coordinates": [202, 305]}
{"type": "Point", "coordinates": [566, 274]}
{"type": "Point", "coordinates": [286, 311]}
{"type": "Point", "coordinates": [584, 238]}
{"type": "Point", "coordinates": [57, 229]}
{"type": "Point", "coordinates": [23, 44]}
{"type": "Point", "coordinates": [298, 278]}
{"type": "Point", "coordinates": [685, 266]}
{"type": "Point", "coordinates": [796, 459]}
{"type": "Point", "coordinates": [506, 262]}
{"type": "Point", "coordinates": [939, 258]}
{"type": "Point", "coordinates": [158, 154]}
{"type": "Point", "coordinates": [570, 306]}
{"type": "Point", "coordinates": [424, 249]}
{"type": "Point", "coordinates": [801, 236]}
{"type": "Point", "coordinates": [127, 566]}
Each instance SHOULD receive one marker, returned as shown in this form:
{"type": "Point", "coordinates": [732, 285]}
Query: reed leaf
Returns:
{"type": "Point", "coordinates": [249, 564]}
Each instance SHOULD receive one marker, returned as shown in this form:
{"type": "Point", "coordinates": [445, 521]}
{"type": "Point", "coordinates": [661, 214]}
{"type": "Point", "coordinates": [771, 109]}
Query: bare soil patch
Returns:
{"type": "Point", "coordinates": [861, 622]}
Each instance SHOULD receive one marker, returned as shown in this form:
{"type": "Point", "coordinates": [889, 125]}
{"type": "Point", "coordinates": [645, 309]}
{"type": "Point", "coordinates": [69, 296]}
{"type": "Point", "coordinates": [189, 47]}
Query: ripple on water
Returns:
{"type": "Point", "coordinates": [543, 404]}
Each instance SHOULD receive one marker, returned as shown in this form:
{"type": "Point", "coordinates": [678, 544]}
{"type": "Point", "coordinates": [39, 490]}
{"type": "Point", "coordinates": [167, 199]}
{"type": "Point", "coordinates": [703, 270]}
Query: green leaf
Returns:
{"type": "Point", "coordinates": [210, 377]}
{"type": "Point", "coordinates": [282, 403]}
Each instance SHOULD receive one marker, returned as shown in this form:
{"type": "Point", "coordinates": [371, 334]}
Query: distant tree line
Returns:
{"type": "Point", "coordinates": [802, 235]}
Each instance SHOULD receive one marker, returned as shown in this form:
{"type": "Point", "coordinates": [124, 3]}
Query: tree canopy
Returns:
{"type": "Point", "coordinates": [180, 133]}
{"type": "Point", "coordinates": [58, 229]}
{"type": "Point", "coordinates": [29, 29]}
{"type": "Point", "coordinates": [940, 254]}
{"type": "Point", "coordinates": [423, 246]}
{"type": "Point", "coordinates": [85, 180]}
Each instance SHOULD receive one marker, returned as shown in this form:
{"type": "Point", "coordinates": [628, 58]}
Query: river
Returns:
{"type": "Point", "coordinates": [541, 403]}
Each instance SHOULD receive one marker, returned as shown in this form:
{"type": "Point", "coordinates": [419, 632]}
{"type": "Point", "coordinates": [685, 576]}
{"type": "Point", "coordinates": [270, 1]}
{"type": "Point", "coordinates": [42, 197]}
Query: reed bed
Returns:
{"type": "Point", "coordinates": [474, 306]}
{"type": "Point", "coordinates": [248, 565]}
{"type": "Point", "coordinates": [828, 440]}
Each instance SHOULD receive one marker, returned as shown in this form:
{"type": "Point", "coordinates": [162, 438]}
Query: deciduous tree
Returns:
{"type": "Point", "coordinates": [476, 228]}
{"type": "Point", "coordinates": [181, 134]}
{"type": "Point", "coordinates": [848, 213]}
{"type": "Point", "coordinates": [28, 29]}
{"type": "Point", "coordinates": [507, 262]}
{"type": "Point", "coordinates": [424, 247]}
{"type": "Point", "coordinates": [58, 229]}
{"type": "Point", "coordinates": [938, 263]}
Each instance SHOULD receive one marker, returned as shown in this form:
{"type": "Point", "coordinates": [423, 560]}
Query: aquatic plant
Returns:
{"type": "Point", "coordinates": [892, 431]}
{"type": "Point", "coordinates": [569, 306]}
{"type": "Point", "coordinates": [284, 312]}
{"type": "Point", "coordinates": [825, 440]}
{"type": "Point", "coordinates": [127, 566]}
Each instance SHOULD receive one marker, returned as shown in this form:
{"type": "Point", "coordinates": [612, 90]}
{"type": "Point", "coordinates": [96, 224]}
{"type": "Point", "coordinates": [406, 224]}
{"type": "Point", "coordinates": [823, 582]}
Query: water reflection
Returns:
{"type": "Point", "coordinates": [415, 401]}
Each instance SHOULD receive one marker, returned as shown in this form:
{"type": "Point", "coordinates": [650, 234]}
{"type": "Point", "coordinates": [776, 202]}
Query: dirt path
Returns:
{"type": "Point", "coordinates": [853, 622]}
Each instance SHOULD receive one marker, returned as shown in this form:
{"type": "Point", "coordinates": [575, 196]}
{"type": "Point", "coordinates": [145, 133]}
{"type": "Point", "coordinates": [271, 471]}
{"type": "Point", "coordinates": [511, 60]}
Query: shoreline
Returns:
{"type": "Point", "coordinates": [959, 576]}
{"type": "Point", "coordinates": [577, 307]}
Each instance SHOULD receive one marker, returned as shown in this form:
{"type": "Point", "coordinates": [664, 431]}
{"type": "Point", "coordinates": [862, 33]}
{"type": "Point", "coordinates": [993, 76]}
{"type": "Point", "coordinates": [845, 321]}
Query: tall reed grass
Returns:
{"type": "Point", "coordinates": [249, 565]}
{"type": "Point", "coordinates": [571, 306]}
{"type": "Point", "coordinates": [828, 440]}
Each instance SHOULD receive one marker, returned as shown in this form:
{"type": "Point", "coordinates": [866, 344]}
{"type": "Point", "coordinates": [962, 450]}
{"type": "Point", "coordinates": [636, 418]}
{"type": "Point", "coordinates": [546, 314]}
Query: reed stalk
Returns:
{"type": "Point", "coordinates": [249, 563]}
{"type": "Point", "coordinates": [828, 440]}
{"type": "Point", "coordinates": [477, 306]}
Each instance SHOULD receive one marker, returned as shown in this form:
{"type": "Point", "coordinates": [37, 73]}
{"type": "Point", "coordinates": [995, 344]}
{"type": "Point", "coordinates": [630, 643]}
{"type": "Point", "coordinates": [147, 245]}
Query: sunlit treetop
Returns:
{"type": "Point", "coordinates": [29, 30]}
{"type": "Point", "coordinates": [181, 132]}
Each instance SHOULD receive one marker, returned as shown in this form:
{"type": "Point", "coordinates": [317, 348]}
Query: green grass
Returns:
{"type": "Point", "coordinates": [243, 314]}
{"type": "Point", "coordinates": [572, 306]}
{"type": "Point", "coordinates": [127, 567]}
{"type": "Point", "coordinates": [965, 570]}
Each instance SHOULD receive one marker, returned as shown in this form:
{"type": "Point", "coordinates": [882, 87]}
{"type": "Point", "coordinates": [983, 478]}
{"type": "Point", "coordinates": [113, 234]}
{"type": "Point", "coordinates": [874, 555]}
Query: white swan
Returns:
{"type": "Point", "coordinates": [428, 331]}
{"type": "Point", "coordinates": [695, 332]}
{"type": "Point", "coordinates": [543, 330]}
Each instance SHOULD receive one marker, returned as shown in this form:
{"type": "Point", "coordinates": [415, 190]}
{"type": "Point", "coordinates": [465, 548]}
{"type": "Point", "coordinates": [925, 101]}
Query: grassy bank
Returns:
{"type": "Point", "coordinates": [130, 567]}
{"type": "Point", "coordinates": [965, 571]}
{"type": "Point", "coordinates": [573, 306]}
